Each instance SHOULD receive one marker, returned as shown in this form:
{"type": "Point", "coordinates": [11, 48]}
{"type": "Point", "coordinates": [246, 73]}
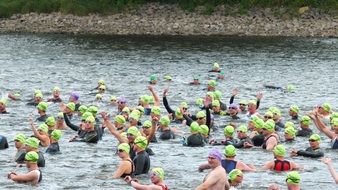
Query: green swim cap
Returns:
{"type": "Point", "coordinates": [158, 172]}
{"type": "Point", "coordinates": [124, 146]}
{"type": "Point", "coordinates": [120, 119]}
{"type": "Point", "coordinates": [3, 101]}
{"type": "Point", "coordinates": [85, 115]}
{"type": "Point", "coordinates": [83, 109]}
{"type": "Point", "coordinates": [165, 121]}
{"type": "Point", "coordinates": [234, 174]}
{"type": "Point", "coordinates": [42, 106]}
{"type": "Point", "coordinates": [315, 137]}
{"type": "Point", "coordinates": [60, 115]}
{"type": "Point", "coordinates": [134, 116]}
{"type": "Point", "coordinates": [140, 109]}
{"type": "Point", "coordinates": [39, 95]}
{"type": "Point", "coordinates": [279, 150]}
{"type": "Point", "coordinates": [294, 108]}
{"type": "Point", "coordinates": [56, 134]}
{"type": "Point", "coordinates": [204, 129]}
{"type": "Point", "coordinates": [196, 77]}
{"type": "Point", "coordinates": [147, 124]}
{"type": "Point", "coordinates": [194, 127]}
{"type": "Point", "coordinates": [20, 137]}
{"type": "Point", "coordinates": [156, 110]}
{"type": "Point", "coordinates": [216, 103]}
{"type": "Point", "coordinates": [113, 98]}
{"type": "Point", "coordinates": [137, 112]}
{"type": "Point", "coordinates": [258, 123]}
{"type": "Point", "coordinates": [178, 113]}
{"type": "Point", "coordinates": [126, 110]}
{"type": "Point", "coordinates": [90, 119]}
{"type": "Point", "coordinates": [215, 65]}
{"type": "Point", "coordinates": [56, 89]}
{"type": "Point", "coordinates": [211, 94]}
{"type": "Point", "coordinates": [17, 95]}
{"type": "Point", "coordinates": [43, 127]}
{"type": "Point", "coordinates": [184, 105]}
{"type": "Point", "coordinates": [229, 130]}
{"type": "Point", "coordinates": [200, 114]}
{"type": "Point", "coordinates": [275, 111]}
{"type": "Point", "coordinates": [290, 131]}
{"type": "Point", "coordinates": [289, 124]}
{"type": "Point", "coordinates": [32, 157]}
{"type": "Point", "coordinates": [242, 128]}
{"type": "Point", "coordinates": [254, 102]}
{"type": "Point", "coordinates": [199, 101]}
{"type": "Point", "coordinates": [141, 142]}
{"type": "Point", "coordinates": [168, 78]}
{"type": "Point", "coordinates": [98, 97]}
{"type": "Point", "coordinates": [334, 122]}
{"type": "Point", "coordinates": [218, 95]}
{"type": "Point", "coordinates": [50, 121]}
{"type": "Point", "coordinates": [212, 83]}
{"type": "Point", "coordinates": [305, 120]}
{"type": "Point", "coordinates": [293, 178]}
{"type": "Point", "coordinates": [326, 107]}
{"type": "Point", "coordinates": [133, 131]}
{"type": "Point", "coordinates": [269, 125]}
{"type": "Point", "coordinates": [101, 82]}
{"type": "Point", "coordinates": [37, 91]}
{"type": "Point", "coordinates": [269, 114]}
{"type": "Point", "coordinates": [103, 87]}
{"type": "Point", "coordinates": [32, 142]}
{"type": "Point", "coordinates": [93, 110]}
{"type": "Point", "coordinates": [230, 151]}
{"type": "Point", "coordinates": [151, 100]}
{"type": "Point", "coordinates": [290, 88]}
{"type": "Point", "coordinates": [244, 102]}
{"type": "Point", "coordinates": [152, 77]}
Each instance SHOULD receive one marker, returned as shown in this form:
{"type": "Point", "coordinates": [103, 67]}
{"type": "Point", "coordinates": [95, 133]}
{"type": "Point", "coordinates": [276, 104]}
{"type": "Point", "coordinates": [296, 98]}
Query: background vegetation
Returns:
{"type": "Point", "coordinates": [84, 7]}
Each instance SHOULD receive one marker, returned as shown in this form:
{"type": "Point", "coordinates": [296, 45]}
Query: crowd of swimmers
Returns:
{"type": "Point", "coordinates": [135, 127]}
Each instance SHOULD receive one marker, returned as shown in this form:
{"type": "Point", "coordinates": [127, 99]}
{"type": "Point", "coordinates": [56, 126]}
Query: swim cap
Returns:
{"type": "Point", "coordinates": [168, 78]}
{"type": "Point", "coordinates": [75, 95]}
{"type": "Point", "coordinates": [194, 127]}
{"type": "Point", "coordinates": [140, 109]}
{"type": "Point", "coordinates": [334, 115]}
{"type": "Point", "coordinates": [212, 83]}
{"type": "Point", "coordinates": [113, 98]}
{"type": "Point", "coordinates": [126, 110]}
{"type": "Point", "coordinates": [244, 102]}
{"type": "Point", "coordinates": [56, 89]}
{"type": "Point", "coordinates": [141, 142]}
{"type": "Point", "coordinates": [134, 116]}
{"type": "Point", "coordinates": [242, 128]}
{"type": "Point", "coordinates": [98, 97]}
{"type": "Point", "coordinates": [93, 110]}
{"type": "Point", "coordinates": [32, 142]}
{"type": "Point", "coordinates": [326, 107]}
{"type": "Point", "coordinates": [50, 121]}
{"type": "Point", "coordinates": [71, 106]}
{"type": "Point", "coordinates": [294, 108]}
{"type": "Point", "coordinates": [178, 113]}
{"type": "Point", "coordinates": [158, 172]}
{"type": "Point", "coordinates": [216, 103]}
{"type": "Point", "coordinates": [334, 122]}
{"type": "Point", "coordinates": [269, 125]}
{"type": "Point", "coordinates": [43, 127]}
{"type": "Point", "coordinates": [32, 157]}
{"type": "Point", "coordinates": [269, 114]}
{"type": "Point", "coordinates": [101, 82]}
{"type": "Point", "coordinates": [229, 130]}
{"type": "Point", "coordinates": [200, 114]}
{"type": "Point", "coordinates": [165, 121]}
{"type": "Point", "coordinates": [156, 110]}
{"type": "Point", "coordinates": [56, 134]}
{"type": "Point", "coordinates": [90, 119]}
{"type": "Point", "coordinates": [204, 129]}
{"type": "Point", "coordinates": [120, 119]}
{"type": "Point", "coordinates": [306, 120]}
{"type": "Point", "coordinates": [211, 94]}
{"type": "Point", "coordinates": [215, 66]}
{"type": "Point", "coordinates": [3, 101]}
{"type": "Point", "coordinates": [293, 178]}
{"type": "Point", "coordinates": [290, 88]}
{"type": "Point", "coordinates": [42, 106]}
{"type": "Point", "coordinates": [234, 174]}
{"type": "Point", "coordinates": [279, 150]}
{"type": "Point", "coordinates": [199, 101]}
{"type": "Point", "coordinates": [144, 99]}
{"type": "Point", "coordinates": [20, 137]}
{"type": "Point", "coordinates": [230, 151]}
{"type": "Point", "coordinates": [184, 105]}
{"type": "Point", "coordinates": [152, 77]}
{"type": "Point", "coordinates": [221, 73]}
{"type": "Point", "coordinates": [254, 102]}
{"type": "Point", "coordinates": [275, 111]}
{"type": "Point", "coordinates": [124, 146]}
{"type": "Point", "coordinates": [233, 106]}
{"type": "Point", "coordinates": [83, 109]}
{"type": "Point", "coordinates": [151, 100]}
{"type": "Point", "coordinates": [60, 116]}
{"type": "Point", "coordinates": [218, 95]}
{"type": "Point", "coordinates": [133, 131]}
{"type": "Point", "coordinates": [290, 131]}
{"type": "Point", "coordinates": [85, 115]}
{"type": "Point", "coordinates": [258, 122]}
{"type": "Point", "coordinates": [289, 124]}
{"type": "Point", "coordinates": [37, 91]}
{"type": "Point", "coordinates": [103, 87]}
{"type": "Point", "coordinates": [39, 95]}
{"type": "Point", "coordinates": [215, 154]}
{"type": "Point", "coordinates": [315, 137]}
{"type": "Point", "coordinates": [122, 100]}
{"type": "Point", "coordinates": [147, 124]}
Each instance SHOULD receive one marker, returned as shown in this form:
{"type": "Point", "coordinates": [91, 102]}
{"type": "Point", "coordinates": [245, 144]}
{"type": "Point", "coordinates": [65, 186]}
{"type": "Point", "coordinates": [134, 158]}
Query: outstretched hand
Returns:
{"type": "Point", "coordinates": [234, 92]}
{"type": "Point", "coordinates": [165, 91]}
{"type": "Point", "coordinates": [326, 160]}
{"type": "Point", "coordinates": [259, 95]}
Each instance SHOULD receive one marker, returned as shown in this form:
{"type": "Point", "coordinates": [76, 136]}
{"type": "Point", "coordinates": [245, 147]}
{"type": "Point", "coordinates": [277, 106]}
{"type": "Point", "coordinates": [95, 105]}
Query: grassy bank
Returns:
{"type": "Point", "coordinates": [84, 7]}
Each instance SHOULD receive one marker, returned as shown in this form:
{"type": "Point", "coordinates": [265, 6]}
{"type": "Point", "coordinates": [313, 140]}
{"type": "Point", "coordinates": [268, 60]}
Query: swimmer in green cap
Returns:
{"type": "Point", "coordinates": [293, 180]}
{"type": "Point", "coordinates": [293, 112]}
{"type": "Point", "coordinates": [313, 151]}
{"type": "Point", "coordinates": [153, 79]}
{"type": "Point", "coordinates": [279, 163]}
{"type": "Point", "coordinates": [126, 166]}
{"type": "Point", "coordinates": [176, 116]}
{"type": "Point", "coordinates": [156, 177]}
{"type": "Point", "coordinates": [19, 141]}
{"type": "Point", "coordinates": [332, 134]}
{"type": "Point", "coordinates": [305, 130]}
{"type": "Point", "coordinates": [196, 80]}
{"type": "Point", "coordinates": [235, 177]}
{"type": "Point", "coordinates": [42, 109]}
{"type": "Point", "coordinates": [56, 95]}
{"type": "Point", "coordinates": [54, 147]}
{"type": "Point", "coordinates": [38, 97]}
{"type": "Point", "coordinates": [3, 105]}
{"type": "Point", "coordinates": [215, 68]}
{"type": "Point", "coordinates": [41, 133]}
{"type": "Point", "coordinates": [32, 144]}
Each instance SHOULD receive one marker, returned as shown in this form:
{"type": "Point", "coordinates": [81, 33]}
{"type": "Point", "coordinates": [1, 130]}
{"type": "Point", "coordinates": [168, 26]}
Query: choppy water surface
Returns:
{"type": "Point", "coordinates": [29, 62]}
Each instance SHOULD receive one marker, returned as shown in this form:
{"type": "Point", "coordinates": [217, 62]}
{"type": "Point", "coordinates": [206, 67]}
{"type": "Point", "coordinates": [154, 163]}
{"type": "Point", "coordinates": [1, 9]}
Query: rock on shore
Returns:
{"type": "Point", "coordinates": [156, 19]}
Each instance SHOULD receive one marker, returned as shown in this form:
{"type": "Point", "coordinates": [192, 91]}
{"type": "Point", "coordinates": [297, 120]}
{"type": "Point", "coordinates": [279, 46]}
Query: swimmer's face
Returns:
{"type": "Point", "coordinates": [241, 134]}
{"type": "Point", "coordinates": [232, 110]}
{"type": "Point", "coordinates": [292, 113]}
{"type": "Point", "coordinates": [133, 122]}
{"type": "Point", "coordinates": [2, 106]}
{"type": "Point", "coordinates": [146, 130]}
{"type": "Point", "coordinates": [314, 144]}
{"type": "Point", "coordinates": [216, 108]}
{"type": "Point", "coordinates": [242, 107]}
{"type": "Point", "coordinates": [251, 107]}
{"type": "Point", "coordinates": [130, 137]}
{"type": "Point", "coordinates": [18, 144]}
{"type": "Point", "coordinates": [56, 93]}
{"type": "Point", "coordinates": [88, 126]}
{"type": "Point", "coordinates": [211, 88]}
{"type": "Point", "coordinates": [154, 178]}
{"type": "Point", "coordinates": [288, 137]}
{"type": "Point", "coordinates": [121, 105]}
{"type": "Point", "coordinates": [37, 99]}
{"type": "Point", "coordinates": [303, 126]}
{"type": "Point", "coordinates": [212, 161]}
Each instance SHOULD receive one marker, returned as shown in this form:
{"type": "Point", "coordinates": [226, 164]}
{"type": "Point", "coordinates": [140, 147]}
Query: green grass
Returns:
{"type": "Point", "coordinates": [85, 7]}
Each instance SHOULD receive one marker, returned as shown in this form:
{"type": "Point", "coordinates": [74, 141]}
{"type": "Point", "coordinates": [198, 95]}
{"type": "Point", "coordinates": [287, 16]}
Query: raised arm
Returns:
{"type": "Point", "coordinates": [165, 102]}
{"type": "Point", "coordinates": [36, 133]}
{"type": "Point", "coordinates": [69, 124]}
{"type": "Point", "coordinates": [156, 98]}
{"type": "Point", "coordinates": [111, 128]}
{"type": "Point", "coordinates": [259, 96]}
{"type": "Point", "coordinates": [154, 122]}
{"type": "Point", "coordinates": [321, 126]}
{"type": "Point", "coordinates": [233, 94]}
{"type": "Point", "coordinates": [333, 172]}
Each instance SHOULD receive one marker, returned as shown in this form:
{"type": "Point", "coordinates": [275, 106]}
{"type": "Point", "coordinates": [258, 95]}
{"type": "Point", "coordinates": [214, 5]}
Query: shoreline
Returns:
{"type": "Point", "coordinates": [170, 20]}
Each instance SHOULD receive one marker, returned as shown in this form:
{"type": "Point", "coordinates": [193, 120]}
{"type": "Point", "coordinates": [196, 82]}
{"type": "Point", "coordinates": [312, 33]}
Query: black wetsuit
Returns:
{"type": "Point", "coordinates": [42, 118]}
{"type": "Point", "coordinates": [258, 140]}
{"type": "Point", "coordinates": [41, 160]}
{"type": "Point", "coordinates": [4, 112]}
{"type": "Point", "coordinates": [195, 140]}
{"type": "Point", "coordinates": [142, 163]}
{"type": "Point", "coordinates": [169, 110]}
{"type": "Point", "coordinates": [208, 121]}
{"type": "Point", "coordinates": [53, 148]}
{"type": "Point", "coordinates": [279, 125]}
{"type": "Point", "coordinates": [55, 100]}
{"type": "Point", "coordinates": [166, 135]}
{"type": "Point", "coordinates": [304, 132]}
{"type": "Point", "coordinates": [3, 142]}
{"type": "Point", "coordinates": [312, 153]}
{"type": "Point", "coordinates": [240, 143]}
{"type": "Point", "coordinates": [32, 104]}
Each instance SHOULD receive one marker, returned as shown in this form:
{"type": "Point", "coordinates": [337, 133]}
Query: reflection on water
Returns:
{"type": "Point", "coordinates": [31, 62]}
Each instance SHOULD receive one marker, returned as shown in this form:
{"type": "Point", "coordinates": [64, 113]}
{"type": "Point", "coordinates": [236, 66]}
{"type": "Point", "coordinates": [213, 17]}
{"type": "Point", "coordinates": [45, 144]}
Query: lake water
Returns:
{"type": "Point", "coordinates": [29, 62]}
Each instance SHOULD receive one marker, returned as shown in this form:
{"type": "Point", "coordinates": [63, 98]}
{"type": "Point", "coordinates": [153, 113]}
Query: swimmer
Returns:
{"type": "Point", "coordinates": [56, 95]}
{"type": "Point", "coordinates": [3, 105]}
{"type": "Point", "coordinates": [126, 166]}
{"type": "Point", "coordinates": [156, 177]}
{"type": "Point", "coordinates": [313, 151]}
{"type": "Point", "coordinates": [279, 163]}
